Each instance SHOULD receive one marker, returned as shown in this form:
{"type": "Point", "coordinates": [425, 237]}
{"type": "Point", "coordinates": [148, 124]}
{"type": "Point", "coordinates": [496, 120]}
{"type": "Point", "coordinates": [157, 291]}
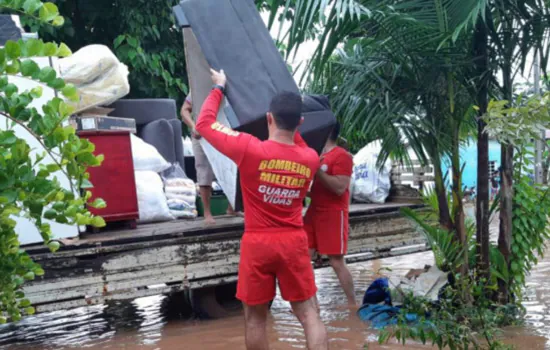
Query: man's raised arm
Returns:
{"type": "Point", "coordinates": [226, 140]}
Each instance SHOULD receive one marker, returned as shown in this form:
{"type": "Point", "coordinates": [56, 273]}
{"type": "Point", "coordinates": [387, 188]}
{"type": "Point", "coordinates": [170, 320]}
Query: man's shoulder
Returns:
{"type": "Point", "coordinates": [339, 153]}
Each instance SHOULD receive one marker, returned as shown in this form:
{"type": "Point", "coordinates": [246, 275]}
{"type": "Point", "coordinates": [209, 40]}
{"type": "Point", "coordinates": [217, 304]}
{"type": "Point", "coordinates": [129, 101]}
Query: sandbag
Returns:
{"type": "Point", "coordinates": [370, 184]}
{"type": "Point", "coordinates": [151, 199]}
{"type": "Point", "coordinates": [146, 157]}
{"type": "Point", "coordinates": [87, 64]}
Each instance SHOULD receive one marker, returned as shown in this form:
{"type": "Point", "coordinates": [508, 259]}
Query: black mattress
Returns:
{"type": "Point", "coordinates": [231, 35]}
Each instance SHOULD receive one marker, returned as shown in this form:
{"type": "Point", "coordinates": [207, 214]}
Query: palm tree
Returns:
{"type": "Point", "coordinates": [398, 54]}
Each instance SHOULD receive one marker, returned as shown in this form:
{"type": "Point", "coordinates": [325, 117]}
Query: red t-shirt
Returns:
{"type": "Point", "coordinates": [274, 176]}
{"type": "Point", "coordinates": [335, 162]}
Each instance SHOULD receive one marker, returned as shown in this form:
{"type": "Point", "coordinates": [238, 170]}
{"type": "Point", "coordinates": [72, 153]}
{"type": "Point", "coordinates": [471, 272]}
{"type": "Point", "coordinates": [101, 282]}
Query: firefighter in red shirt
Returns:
{"type": "Point", "coordinates": [274, 177]}
{"type": "Point", "coordinates": [326, 220]}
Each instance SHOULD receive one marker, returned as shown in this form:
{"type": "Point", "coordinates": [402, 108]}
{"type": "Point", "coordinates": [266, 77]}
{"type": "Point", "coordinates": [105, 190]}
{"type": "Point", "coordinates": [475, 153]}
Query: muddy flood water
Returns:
{"type": "Point", "coordinates": [149, 324]}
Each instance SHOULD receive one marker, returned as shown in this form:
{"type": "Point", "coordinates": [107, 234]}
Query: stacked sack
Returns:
{"type": "Point", "coordinates": [181, 193]}
{"type": "Point", "coordinates": [148, 163]}
{"type": "Point", "coordinates": [97, 74]}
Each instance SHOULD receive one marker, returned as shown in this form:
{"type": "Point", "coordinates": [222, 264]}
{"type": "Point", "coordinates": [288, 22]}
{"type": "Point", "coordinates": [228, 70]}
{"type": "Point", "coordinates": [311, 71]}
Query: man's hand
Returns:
{"type": "Point", "coordinates": [218, 78]}
{"type": "Point", "coordinates": [195, 134]}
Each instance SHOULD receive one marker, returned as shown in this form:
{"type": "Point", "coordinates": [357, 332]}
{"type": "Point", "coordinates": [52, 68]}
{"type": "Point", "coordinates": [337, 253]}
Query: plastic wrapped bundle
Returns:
{"type": "Point", "coordinates": [98, 75]}
{"type": "Point", "coordinates": [180, 192]}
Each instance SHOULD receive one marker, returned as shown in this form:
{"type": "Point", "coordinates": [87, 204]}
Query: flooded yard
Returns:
{"type": "Point", "coordinates": [150, 324]}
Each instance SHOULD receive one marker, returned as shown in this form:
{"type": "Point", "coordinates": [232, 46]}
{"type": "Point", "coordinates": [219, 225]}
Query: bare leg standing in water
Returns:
{"type": "Point", "coordinates": [326, 220]}
{"type": "Point", "coordinates": [338, 263]}
{"type": "Point", "coordinates": [256, 325]}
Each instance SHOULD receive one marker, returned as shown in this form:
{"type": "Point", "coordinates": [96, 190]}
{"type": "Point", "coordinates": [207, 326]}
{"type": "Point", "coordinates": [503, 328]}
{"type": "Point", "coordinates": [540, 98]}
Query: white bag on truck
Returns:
{"type": "Point", "coordinates": [98, 76]}
{"type": "Point", "coordinates": [370, 184]}
{"type": "Point", "coordinates": [146, 157]}
{"type": "Point", "coordinates": [105, 90]}
{"type": "Point", "coordinates": [151, 199]}
{"type": "Point", "coordinates": [88, 63]}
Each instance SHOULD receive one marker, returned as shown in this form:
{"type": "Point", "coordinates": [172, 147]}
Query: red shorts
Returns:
{"type": "Point", "coordinates": [327, 231]}
{"type": "Point", "coordinates": [266, 257]}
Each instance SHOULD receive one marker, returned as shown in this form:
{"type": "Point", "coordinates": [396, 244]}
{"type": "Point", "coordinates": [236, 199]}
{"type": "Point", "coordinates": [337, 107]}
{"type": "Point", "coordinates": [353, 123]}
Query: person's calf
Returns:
{"type": "Point", "coordinates": [315, 330]}
{"type": "Point", "coordinates": [255, 326]}
{"type": "Point", "coordinates": [338, 264]}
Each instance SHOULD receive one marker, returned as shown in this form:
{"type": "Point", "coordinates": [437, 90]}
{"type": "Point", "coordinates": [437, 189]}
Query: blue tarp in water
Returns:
{"type": "Point", "coordinates": [381, 315]}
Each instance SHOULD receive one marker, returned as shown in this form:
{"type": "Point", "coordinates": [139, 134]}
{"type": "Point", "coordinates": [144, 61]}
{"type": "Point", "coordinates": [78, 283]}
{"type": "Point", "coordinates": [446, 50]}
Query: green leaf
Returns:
{"type": "Point", "coordinates": [13, 68]}
{"type": "Point", "coordinates": [7, 138]}
{"type": "Point", "coordinates": [119, 39]}
{"type": "Point", "coordinates": [48, 12]}
{"type": "Point", "coordinates": [29, 276]}
{"type": "Point", "coordinates": [29, 68]}
{"type": "Point", "coordinates": [58, 22]}
{"type": "Point", "coordinates": [47, 75]}
{"type": "Point", "coordinates": [50, 214]}
{"type": "Point", "coordinates": [98, 203]}
{"type": "Point", "coordinates": [36, 92]}
{"type": "Point", "coordinates": [13, 50]}
{"type": "Point", "coordinates": [132, 42]}
{"type": "Point", "coordinates": [10, 89]}
{"type": "Point", "coordinates": [64, 51]}
{"type": "Point", "coordinates": [70, 92]}
{"type": "Point", "coordinates": [57, 84]}
{"type": "Point", "coordinates": [25, 303]}
{"type": "Point", "coordinates": [31, 6]}
{"type": "Point", "coordinates": [50, 49]}
{"type": "Point", "coordinates": [98, 221]}
{"type": "Point", "coordinates": [30, 310]}
{"type": "Point", "coordinates": [34, 47]}
{"type": "Point", "coordinates": [53, 246]}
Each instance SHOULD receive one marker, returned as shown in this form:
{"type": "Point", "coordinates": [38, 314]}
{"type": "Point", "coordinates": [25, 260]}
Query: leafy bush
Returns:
{"type": "Point", "coordinates": [29, 187]}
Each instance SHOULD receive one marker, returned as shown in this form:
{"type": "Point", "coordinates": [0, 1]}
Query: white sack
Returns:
{"type": "Point", "coordinates": [370, 184]}
{"type": "Point", "coordinates": [146, 157]}
{"type": "Point", "coordinates": [151, 199]}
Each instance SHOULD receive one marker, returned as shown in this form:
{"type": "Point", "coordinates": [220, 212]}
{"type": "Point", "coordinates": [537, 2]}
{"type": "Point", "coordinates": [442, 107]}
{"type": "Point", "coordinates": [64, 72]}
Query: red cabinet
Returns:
{"type": "Point", "coordinates": [114, 180]}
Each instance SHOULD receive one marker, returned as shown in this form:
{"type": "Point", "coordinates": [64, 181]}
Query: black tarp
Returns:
{"type": "Point", "coordinates": [8, 29]}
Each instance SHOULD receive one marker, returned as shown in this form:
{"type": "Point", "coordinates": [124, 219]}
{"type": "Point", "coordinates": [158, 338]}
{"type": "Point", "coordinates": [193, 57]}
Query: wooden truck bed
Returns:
{"type": "Point", "coordinates": [174, 256]}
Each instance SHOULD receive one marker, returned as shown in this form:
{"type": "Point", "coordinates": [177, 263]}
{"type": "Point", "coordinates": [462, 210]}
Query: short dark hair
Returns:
{"type": "Point", "coordinates": [286, 108]}
{"type": "Point", "coordinates": [335, 132]}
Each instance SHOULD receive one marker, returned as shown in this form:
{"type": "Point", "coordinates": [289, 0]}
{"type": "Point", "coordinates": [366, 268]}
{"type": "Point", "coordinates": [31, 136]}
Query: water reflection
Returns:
{"type": "Point", "coordinates": [160, 323]}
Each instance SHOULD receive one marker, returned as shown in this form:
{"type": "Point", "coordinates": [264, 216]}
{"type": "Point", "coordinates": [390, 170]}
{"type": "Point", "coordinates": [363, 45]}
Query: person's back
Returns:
{"type": "Point", "coordinates": [274, 177]}
{"type": "Point", "coordinates": [274, 181]}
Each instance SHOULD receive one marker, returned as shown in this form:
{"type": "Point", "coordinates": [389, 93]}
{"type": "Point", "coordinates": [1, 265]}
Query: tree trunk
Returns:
{"type": "Point", "coordinates": [458, 207]}
{"type": "Point", "coordinates": [506, 176]}
{"type": "Point", "coordinates": [482, 205]}
{"type": "Point", "coordinates": [444, 214]}
{"type": "Point", "coordinates": [506, 202]}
